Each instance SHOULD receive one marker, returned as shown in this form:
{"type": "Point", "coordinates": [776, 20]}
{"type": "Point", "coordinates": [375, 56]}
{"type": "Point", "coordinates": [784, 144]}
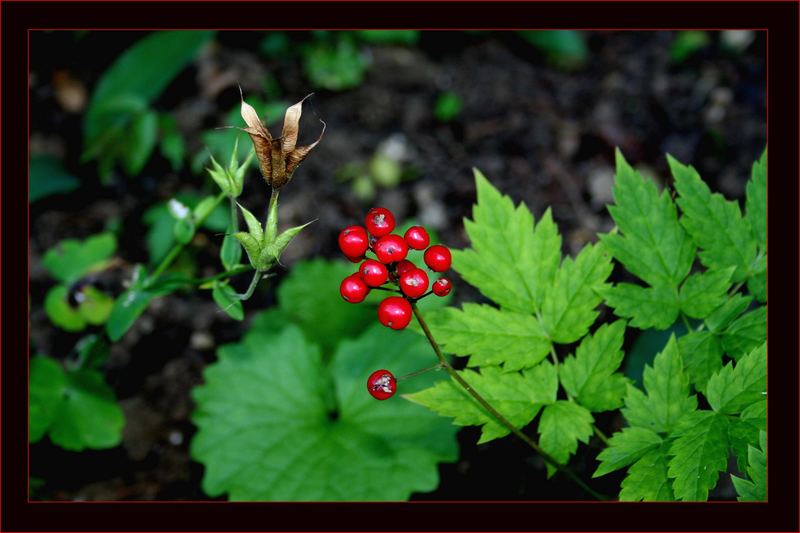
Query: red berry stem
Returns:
{"type": "Point", "coordinates": [493, 412]}
{"type": "Point", "coordinates": [385, 289]}
{"type": "Point", "coordinates": [418, 372]}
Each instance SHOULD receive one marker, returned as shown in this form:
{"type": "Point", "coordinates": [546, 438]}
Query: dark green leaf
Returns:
{"type": "Point", "coordinates": [647, 479]}
{"type": "Point", "coordinates": [142, 138]}
{"type": "Point", "coordinates": [562, 425]}
{"type": "Point", "coordinates": [754, 489]}
{"type": "Point", "coordinates": [48, 177]}
{"type": "Point", "coordinates": [732, 389]}
{"type": "Point", "coordinates": [407, 37]}
{"type": "Point", "coordinates": [727, 312]}
{"type": "Point", "coordinates": [699, 454]}
{"type": "Point", "coordinates": [647, 307]}
{"type": "Point", "coordinates": [701, 352]}
{"type": "Point", "coordinates": [687, 43]}
{"type": "Point", "coordinates": [745, 333]}
{"type": "Point", "coordinates": [172, 145]}
{"type": "Point", "coordinates": [336, 66]}
{"type": "Point", "coordinates": [447, 107]}
{"type": "Point", "coordinates": [756, 205]}
{"type": "Point", "coordinates": [47, 385]}
{"type": "Point", "coordinates": [563, 48]}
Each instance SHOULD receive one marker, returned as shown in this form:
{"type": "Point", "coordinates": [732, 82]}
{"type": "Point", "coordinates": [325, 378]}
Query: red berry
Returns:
{"type": "Point", "coordinates": [373, 273]}
{"type": "Point", "coordinates": [404, 266]}
{"type": "Point", "coordinates": [414, 283]}
{"type": "Point", "coordinates": [442, 287]}
{"type": "Point", "coordinates": [381, 384]}
{"type": "Point", "coordinates": [438, 258]}
{"type": "Point", "coordinates": [379, 221]}
{"type": "Point", "coordinates": [353, 289]}
{"type": "Point", "coordinates": [355, 259]}
{"type": "Point", "coordinates": [391, 249]}
{"type": "Point", "coordinates": [417, 238]}
{"type": "Point", "coordinates": [394, 312]}
{"type": "Point", "coordinates": [353, 241]}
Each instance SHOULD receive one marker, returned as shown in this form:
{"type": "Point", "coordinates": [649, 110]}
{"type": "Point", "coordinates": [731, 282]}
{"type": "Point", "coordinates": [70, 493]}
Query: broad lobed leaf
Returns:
{"type": "Point", "coordinates": [703, 292]}
{"type": "Point", "coordinates": [647, 307]}
{"type": "Point", "coordinates": [755, 488]}
{"type": "Point", "coordinates": [561, 426]}
{"type": "Point", "coordinates": [626, 447]}
{"type": "Point", "coordinates": [647, 478]}
{"type": "Point", "coordinates": [734, 388]}
{"type": "Point", "coordinates": [698, 454]}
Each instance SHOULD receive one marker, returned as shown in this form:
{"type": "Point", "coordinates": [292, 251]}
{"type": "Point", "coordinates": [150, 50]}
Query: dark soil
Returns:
{"type": "Point", "coordinates": [542, 135]}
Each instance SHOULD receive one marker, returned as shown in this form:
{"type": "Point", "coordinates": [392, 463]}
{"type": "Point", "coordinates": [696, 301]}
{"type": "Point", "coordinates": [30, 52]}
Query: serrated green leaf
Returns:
{"type": "Point", "coordinates": [754, 489]}
{"type": "Point", "coordinates": [756, 413]}
{"type": "Point", "coordinates": [699, 454]}
{"type": "Point", "coordinates": [60, 312]}
{"type": "Point", "coordinates": [253, 225]}
{"type": "Point", "coordinates": [561, 426]}
{"type": "Point", "coordinates": [701, 293]}
{"type": "Point", "coordinates": [647, 307]}
{"type": "Point", "coordinates": [757, 283]}
{"type": "Point", "coordinates": [651, 243]}
{"type": "Point", "coordinates": [756, 204]}
{"type": "Point", "coordinates": [667, 398]}
{"type": "Point", "coordinates": [490, 336]}
{"type": "Point", "coordinates": [715, 224]}
{"type": "Point", "coordinates": [309, 297]}
{"type": "Point", "coordinates": [570, 302]}
{"type": "Point", "coordinates": [727, 312]}
{"type": "Point", "coordinates": [47, 385]}
{"type": "Point", "coordinates": [701, 352]}
{"type": "Point", "coordinates": [516, 396]}
{"type": "Point", "coordinates": [745, 333]}
{"type": "Point", "coordinates": [732, 389]}
{"type": "Point", "coordinates": [626, 447]}
{"type": "Point", "coordinates": [266, 430]}
{"type": "Point", "coordinates": [510, 261]}
{"type": "Point", "coordinates": [70, 259]}
{"type": "Point", "coordinates": [590, 376]}
{"type": "Point", "coordinates": [87, 414]}
{"type": "Point", "coordinates": [742, 433]}
{"type": "Point", "coordinates": [225, 297]}
{"type": "Point", "coordinates": [647, 479]}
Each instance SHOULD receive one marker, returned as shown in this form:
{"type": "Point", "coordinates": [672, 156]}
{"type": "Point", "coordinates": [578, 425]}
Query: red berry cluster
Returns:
{"type": "Point", "coordinates": [391, 265]}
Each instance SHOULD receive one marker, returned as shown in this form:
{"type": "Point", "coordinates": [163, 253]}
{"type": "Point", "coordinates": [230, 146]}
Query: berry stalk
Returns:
{"type": "Point", "coordinates": [494, 413]}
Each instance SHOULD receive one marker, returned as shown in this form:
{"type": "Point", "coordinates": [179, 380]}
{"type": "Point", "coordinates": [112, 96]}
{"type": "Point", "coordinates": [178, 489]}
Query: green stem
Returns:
{"type": "Point", "coordinates": [601, 435]}
{"type": "Point", "coordinates": [686, 323]}
{"type": "Point", "coordinates": [241, 269]}
{"type": "Point", "coordinates": [252, 288]}
{"type": "Point", "coordinates": [234, 215]}
{"type": "Point", "coordinates": [177, 248]}
{"type": "Point", "coordinates": [496, 415]}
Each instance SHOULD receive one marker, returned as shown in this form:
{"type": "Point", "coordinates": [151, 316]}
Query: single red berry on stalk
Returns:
{"type": "Point", "coordinates": [414, 283]}
{"type": "Point", "coordinates": [417, 238]}
{"type": "Point", "coordinates": [442, 287]}
{"type": "Point", "coordinates": [379, 221]}
{"type": "Point", "coordinates": [391, 249]}
{"type": "Point", "coordinates": [353, 241]}
{"type": "Point", "coordinates": [382, 384]}
{"type": "Point", "coordinates": [373, 273]}
{"type": "Point", "coordinates": [438, 258]}
{"type": "Point", "coordinates": [394, 312]}
{"type": "Point", "coordinates": [353, 289]}
{"type": "Point", "coordinates": [404, 266]}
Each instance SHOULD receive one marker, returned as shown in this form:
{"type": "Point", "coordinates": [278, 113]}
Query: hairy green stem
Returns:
{"type": "Point", "coordinates": [252, 288]}
{"type": "Point", "coordinates": [495, 414]}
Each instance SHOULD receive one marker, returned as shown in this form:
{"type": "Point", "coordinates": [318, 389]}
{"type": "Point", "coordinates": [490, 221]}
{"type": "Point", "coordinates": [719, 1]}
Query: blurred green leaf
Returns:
{"type": "Point", "coordinates": [274, 44]}
{"type": "Point", "coordinates": [406, 37]}
{"type": "Point", "coordinates": [334, 66]}
{"type": "Point", "coordinates": [141, 140]}
{"type": "Point", "coordinates": [160, 235]}
{"type": "Point", "coordinates": [60, 312]}
{"type": "Point", "coordinates": [563, 48]}
{"type": "Point", "coordinates": [133, 302]}
{"type": "Point", "coordinates": [385, 171]}
{"type": "Point", "coordinates": [47, 385]}
{"type": "Point", "coordinates": [48, 177]}
{"type": "Point", "coordinates": [448, 106]}
{"type": "Point", "coordinates": [70, 259]}
{"type": "Point", "coordinates": [687, 43]}
{"type": "Point", "coordinates": [95, 305]}
{"type": "Point", "coordinates": [172, 145]}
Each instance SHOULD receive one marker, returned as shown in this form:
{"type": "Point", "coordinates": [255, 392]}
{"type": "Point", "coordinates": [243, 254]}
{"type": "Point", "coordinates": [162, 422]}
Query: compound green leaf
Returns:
{"type": "Point", "coordinates": [667, 398]}
{"type": "Point", "coordinates": [755, 488]}
{"type": "Point", "coordinates": [510, 261]}
{"type": "Point", "coordinates": [561, 426]}
{"type": "Point", "coordinates": [727, 312]}
{"type": "Point", "coordinates": [626, 447]}
{"type": "Point", "coordinates": [570, 302]}
{"type": "Point", "coordinates": [275, 423]}
{"type": "Point", "coordinates": [743, 433]}
{"type": "Point", "coordinates": [516, 396]}
{"type": "Point", "coordinates": [647, 307]}
{"type": "Point", "coordinates": [490, 336]}
{"type": "Point", "coordinates": [651, 243]}
{"type": "Point", "coordinates": [756, 203]}
{"type": "Point", "coordinates": [735, 388]}
{"type": "Point", "coordinates": [70, 259]}
{"type": "Point", "coordinates": [757, 283]}
{"type": "Point", "coordinates": [701, 352]}
{"type": "Point", "coordinates": [701, 293]}
{"type": "Point", "coordinates": [699, 454]}
{"type": "Point", "coordinates": [715, 224]}
{"type": "Point", "coordinates": [47, 385]}
{"type": "Point", "coordinates": [77, 408]}
{"type": "Point", "coordinates": [647, 479]}
{"type": "Point", "coordinates": [590, 376]}
{"type": "Point", "coordinates": [745, 333]}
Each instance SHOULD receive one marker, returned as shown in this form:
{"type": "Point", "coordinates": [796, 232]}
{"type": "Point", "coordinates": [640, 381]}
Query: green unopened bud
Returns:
{"type": "Point", "coordinates": [231, 179]}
